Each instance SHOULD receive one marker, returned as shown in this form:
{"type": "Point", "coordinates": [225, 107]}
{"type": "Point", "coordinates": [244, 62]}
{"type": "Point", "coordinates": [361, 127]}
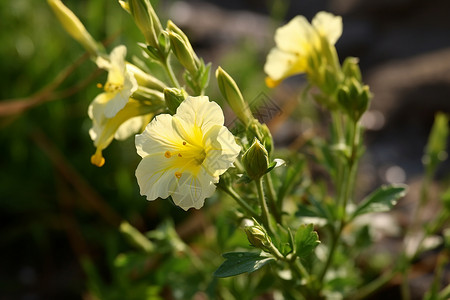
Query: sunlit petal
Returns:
{"type": "Point", "coordinates": [184, 154]}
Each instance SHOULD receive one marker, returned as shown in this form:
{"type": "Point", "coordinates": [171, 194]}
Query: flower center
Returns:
{"type": "Point", "coordinates": [112, 87]}
{"type": "Point", "coordinates": [187, 157]}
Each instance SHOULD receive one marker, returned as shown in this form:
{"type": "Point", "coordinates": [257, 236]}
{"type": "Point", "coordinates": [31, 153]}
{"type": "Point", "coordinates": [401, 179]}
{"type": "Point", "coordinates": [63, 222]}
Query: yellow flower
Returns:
{"type": "Point", "coordinates": [183, 155]}
{"type": "Point", "coordinates": [120, 84]}
{"type": "Point", "coordinates": [128, 121]}
{"type": "Point", "coordinates": [113, 113]}
{"type": "Point", "coordinates": [299, 44]}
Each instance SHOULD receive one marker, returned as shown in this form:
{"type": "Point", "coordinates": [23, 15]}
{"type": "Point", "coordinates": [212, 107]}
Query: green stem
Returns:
{"type": "Point", "coordinates": [345, 188]}
{"type": "Point", "coordinates": [230, 191]}
{"type": "Point", "coordinates": [333, 246]}
{"type": "Point", "coordinates": [263, 204]}
{"type": "Point", "coordinates": [406, 295]}
{"type": "Point", "coordinates": [373, 286]}
{"type": "Point", "coordinates": [168, 68]}
{"type": "Point", "coordinates": [274, 205]}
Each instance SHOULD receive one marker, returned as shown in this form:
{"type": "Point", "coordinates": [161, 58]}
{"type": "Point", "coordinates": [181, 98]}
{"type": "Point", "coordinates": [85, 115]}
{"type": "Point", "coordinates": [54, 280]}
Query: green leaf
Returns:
{"type": "Point", "coordinates": [306, 240]}
{"type": "Point", "coordinates": [241, 262]}
{"type": "Point", "coordinates": [383, 199]}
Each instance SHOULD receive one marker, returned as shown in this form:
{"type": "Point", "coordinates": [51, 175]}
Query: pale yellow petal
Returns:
{"type": "Point", "coordinates": [131, 126]}
{"type": "Point", "coordinates": [221, 151]}
{"type": "Point", "coordinates": [201, 112]}
{"type": "Point", "coordinates": [191, 191]}
{"type": "Point", "coordinates": [104, 129]}
{"type": "Point", "coordinates": [328, 25]}
{"type": "Point", "coordinates": [281, 64]}
{"type": "Point", "coordinates": [158, 137]}
{"type": "Point", "coordinates": [293, 36]}
{"type": "Point", "coordinates": [117, 68]}
{"type": "Point", "coordinates": [103, 63]}
{"type": "Point", "coordinates": [116, 102]}
{"type": "Point", "coordinates": [155, 177]}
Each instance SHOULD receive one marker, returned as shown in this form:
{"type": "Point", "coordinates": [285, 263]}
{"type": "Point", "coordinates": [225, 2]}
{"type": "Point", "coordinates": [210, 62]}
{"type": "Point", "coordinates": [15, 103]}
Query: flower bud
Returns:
{"type": "Point", "coordinates": [256, 160]}
{"type": "Point", "coordinates": [175, 29]}
{"type": "Point", "coordinates": [258, 237]}
{"type": "Point", "coordinates": [230, 91]}
{"type": "Point", "coordinates": [145, 18]}
{"type": "Point", "coordinates": [261, 132]}
{"type": "Point", "coordinates": [351, 69]}
{"type": "Point", "coordinates": [184, 52]}
{"type": "Point", "coordinates": [74, 27]}
{"type": "Point", "coordinates": [174, 97]}
{"type": "Point", "coordinates": [354, 98]}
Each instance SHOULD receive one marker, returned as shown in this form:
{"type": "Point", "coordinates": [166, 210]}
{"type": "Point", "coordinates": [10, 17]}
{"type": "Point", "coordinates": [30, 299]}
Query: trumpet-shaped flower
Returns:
{"type": "Point", "coordinates": [113, 113]}
{"type": "Point", "coordinates": [298, 43]}
{"type": "Point", "coordinates": [120, 84]}
{"type": "Point", "coordinates": [128, 121]}
{"type": "Point", "coordinates": [183, 155]}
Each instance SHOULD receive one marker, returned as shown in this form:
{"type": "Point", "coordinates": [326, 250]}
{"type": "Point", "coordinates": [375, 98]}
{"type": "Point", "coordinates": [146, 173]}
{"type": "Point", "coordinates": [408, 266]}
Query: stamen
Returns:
{"type": "Point", "coordinates": [178, 175]}
{"type": "Point", "coordinates": [179, 155]}
{"type": "Point", "coordinates": [99, 85]}
{"type": "Point", "coordinates": [167, 154]}
{"type": "Point", "coordinates": [97, 159]}
{"type": "Point", "coordinates": [184, 143]}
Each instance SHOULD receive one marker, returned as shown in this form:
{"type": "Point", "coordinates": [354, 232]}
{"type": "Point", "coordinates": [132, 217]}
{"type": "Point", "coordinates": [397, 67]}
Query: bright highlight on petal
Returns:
{"type": "Point", "coordinates": [183, 155]}
{"type": "Point", "coordinates": [298, 43]}
{"type": "Point", "coordinates": [120, 84]}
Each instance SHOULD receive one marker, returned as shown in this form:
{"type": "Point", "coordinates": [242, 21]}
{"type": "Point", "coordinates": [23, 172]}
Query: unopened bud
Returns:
{"type": "Point", "coordinates": [256, 160]}
{"type": "Point", "coordinates": [73, 26]}
{"type": "Point", "coordinates": [257, 236]}
{"type": "Point", "coordinates": [354, 98]}
{"type": "Point", "coordinates": [230, 91]}
{"type": "Point", "coordinates": [183, 51]}
{"type": "Point", "coordinates": [173, 98]}
{"type": "Point", "coordinates": [351, 69]}
{"type": "Point", "coordinates": [146, 19]}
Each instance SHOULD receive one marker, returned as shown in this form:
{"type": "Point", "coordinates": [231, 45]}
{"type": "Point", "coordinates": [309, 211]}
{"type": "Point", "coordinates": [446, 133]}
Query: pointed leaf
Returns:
{"type": "Point", "coordinates": [383, 199]}
{"type": "Point", "coordinates": [306, 240]}
{"type": "Point", "coordinates": [241, 262]}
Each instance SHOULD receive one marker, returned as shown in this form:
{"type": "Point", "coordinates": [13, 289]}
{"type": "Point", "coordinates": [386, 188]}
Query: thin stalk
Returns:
{"type": "Point", "coordinates": [168, 68]}
{"type": "Point", "coordinates": [404, 288]}
{"type": "Point", "coordinates": [274, 205]}
{"type": "Point", "coordinates": [263, 204]}
{"type": "Point", "coordinates": [346, 182]}
{"type": "Point", "coordinates": [373, 286]}
{"type": "Point", "coordinates": [230, 191]}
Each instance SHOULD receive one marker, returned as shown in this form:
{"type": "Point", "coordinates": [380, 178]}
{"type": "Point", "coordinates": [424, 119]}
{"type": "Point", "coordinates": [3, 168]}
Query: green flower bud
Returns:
{"type": "Point", "coordinates": [261, 132]}
{"type": "Point", "coordinates": [351, 69]}
{"type": "Point", "coordinates": [258, 237]}
{"type": "Point", "coordinates": [256, 160]}
{"type": "Point", "coordinates": [184, 52]}
{"type": "Point", "coordinates": [74, 27]}
{"type": "Point", "coordinates": [145, 18]}
{"type": "Point", "coordinates": [230, 91]}
{"type": "Point", "coordinates": [174, 97]}
{"type": "Point", "coordinates": [175, 29]}
{"type": "Point", "coordinates": [354, 98]}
